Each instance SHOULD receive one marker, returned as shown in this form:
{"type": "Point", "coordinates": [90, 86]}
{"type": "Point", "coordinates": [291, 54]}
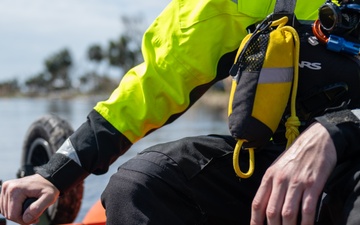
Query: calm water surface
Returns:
{"type": "Point", "coordinates": [16, 115]}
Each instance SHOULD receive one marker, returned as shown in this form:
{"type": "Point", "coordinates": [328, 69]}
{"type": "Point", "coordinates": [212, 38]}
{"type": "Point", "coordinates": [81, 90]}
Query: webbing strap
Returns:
{"type": "Point", "coordinates": [281, 6]}
{"type": "Point", "coordinates": [285, 6]}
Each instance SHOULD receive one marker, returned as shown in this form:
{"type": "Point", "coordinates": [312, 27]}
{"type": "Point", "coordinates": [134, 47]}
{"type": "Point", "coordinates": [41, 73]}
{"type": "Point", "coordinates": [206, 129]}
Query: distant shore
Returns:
{"type": "Point", "coordinates": [215, 99]}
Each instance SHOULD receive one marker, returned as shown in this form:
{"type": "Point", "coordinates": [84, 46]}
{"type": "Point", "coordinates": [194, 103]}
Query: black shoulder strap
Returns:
{"type": "Point", "coordinates": [282, 8]}
{"type": "Point", "coordinates": [285, 8]}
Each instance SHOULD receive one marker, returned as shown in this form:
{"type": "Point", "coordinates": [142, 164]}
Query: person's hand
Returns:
{"type": "Point", "coordinates": [293, 184]}
{"type": "Point", "coordinates": [15, 192]}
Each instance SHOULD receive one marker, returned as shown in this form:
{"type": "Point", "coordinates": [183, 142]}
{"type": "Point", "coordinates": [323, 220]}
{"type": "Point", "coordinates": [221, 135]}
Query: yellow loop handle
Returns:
{"type": "Point", "coordinates": [280, 22]}
{"type": "Point", "coordinates": [236, 158]}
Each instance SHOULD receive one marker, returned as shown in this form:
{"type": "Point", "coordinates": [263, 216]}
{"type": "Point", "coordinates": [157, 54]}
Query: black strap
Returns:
{"type": "Point", "coordinates": [282, 8]}
{"type": "Point", "coordinates": [285, 6]}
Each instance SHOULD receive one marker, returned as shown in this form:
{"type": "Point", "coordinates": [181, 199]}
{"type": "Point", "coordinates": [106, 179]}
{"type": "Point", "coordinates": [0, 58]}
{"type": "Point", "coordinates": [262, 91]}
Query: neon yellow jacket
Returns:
{"type": "Point", "coordinates": [189, 47]}
{"type": "Point", "coordinates": [181, 50]}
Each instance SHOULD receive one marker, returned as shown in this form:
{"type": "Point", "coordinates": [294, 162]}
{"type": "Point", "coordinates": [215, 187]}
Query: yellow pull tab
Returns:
{"type": "Point", "coordinates": [236, 158]}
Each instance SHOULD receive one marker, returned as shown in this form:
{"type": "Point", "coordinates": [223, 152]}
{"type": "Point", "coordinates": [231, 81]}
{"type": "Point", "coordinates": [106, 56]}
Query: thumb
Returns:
{"type": "Point", "coordinates": [28, 218]}
{"type": "Point", "coordinates": [33, 208]}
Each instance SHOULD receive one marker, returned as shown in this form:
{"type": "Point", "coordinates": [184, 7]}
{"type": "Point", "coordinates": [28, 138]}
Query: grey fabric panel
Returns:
{"type": "Point", "coordinates": [285, 6]}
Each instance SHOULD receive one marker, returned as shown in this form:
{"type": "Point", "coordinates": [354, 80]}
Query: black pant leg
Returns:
{"type": "Point", "coordinates": [190, 181]}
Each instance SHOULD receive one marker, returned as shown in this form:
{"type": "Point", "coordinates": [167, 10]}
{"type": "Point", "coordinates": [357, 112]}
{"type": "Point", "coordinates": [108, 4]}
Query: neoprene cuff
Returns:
{"type": "Point", "coordinates": [63, 172]}
{"type": "Point", "coordinates": [343, 127]}
{"type": "Point", "coordinates": [98, 144]}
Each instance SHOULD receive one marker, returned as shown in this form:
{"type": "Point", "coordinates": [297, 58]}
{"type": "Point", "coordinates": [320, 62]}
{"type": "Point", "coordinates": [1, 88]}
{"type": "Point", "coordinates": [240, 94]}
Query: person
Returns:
{"type": "Point", "coordinates": [187, 49]}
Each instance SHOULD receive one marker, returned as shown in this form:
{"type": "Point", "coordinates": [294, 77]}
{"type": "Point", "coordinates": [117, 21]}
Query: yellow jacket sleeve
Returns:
{"type": "Point", "coordinates": [181, 52]}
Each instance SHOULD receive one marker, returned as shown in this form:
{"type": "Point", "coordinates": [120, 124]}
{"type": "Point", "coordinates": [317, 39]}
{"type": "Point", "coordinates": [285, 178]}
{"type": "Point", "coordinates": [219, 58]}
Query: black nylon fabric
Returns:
{"type": "Point", "coordinates": [282, 6]}
{"type": "Point", "coordinates": [327, 80]}
{"type": "Point", "coordinates": [98, 143]}
{"type": "Point", "coordinates": [65, 178]}
{"type": "Point", "coordinates": [191, 181]}
{"type": "Point", "coordinates": [242, 105]}
{"type": "Point", "coordinates": [249, 63]}
{"type": "Point", "coordinates": [343, 127]}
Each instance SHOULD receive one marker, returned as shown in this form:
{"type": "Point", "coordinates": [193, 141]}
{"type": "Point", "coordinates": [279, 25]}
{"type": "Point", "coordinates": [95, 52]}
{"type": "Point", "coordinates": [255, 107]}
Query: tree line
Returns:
{"type": "Point", "coordinates": [122, 54]}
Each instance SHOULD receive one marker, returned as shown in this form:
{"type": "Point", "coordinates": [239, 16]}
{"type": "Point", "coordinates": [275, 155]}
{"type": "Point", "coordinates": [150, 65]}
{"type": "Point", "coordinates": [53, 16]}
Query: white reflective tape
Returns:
{"type": "Point", "coordinates": [276, 75]}
{"type": "Point", "coordinates": [68, 150]}
{"type": "Point", "coordinates": [356, 112]}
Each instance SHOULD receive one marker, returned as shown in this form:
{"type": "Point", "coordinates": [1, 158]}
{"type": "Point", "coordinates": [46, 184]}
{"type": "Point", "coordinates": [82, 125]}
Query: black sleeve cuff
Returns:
{"type": "Point", "coordinates": [63, 172]}
{"type": "Point", "coordinates": [98, 144]}
{"type": "Point", "coordinates": [344, 129]}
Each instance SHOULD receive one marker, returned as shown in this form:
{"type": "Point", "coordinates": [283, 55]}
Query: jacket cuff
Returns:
{"type": "Point", "coordinates": [343, 127]}
{"type": "Point", "coordinates": [63, 172]}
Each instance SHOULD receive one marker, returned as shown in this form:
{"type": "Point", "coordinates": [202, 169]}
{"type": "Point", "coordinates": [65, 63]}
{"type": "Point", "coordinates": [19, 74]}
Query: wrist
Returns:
{"type": "Point", "coordinates": [63, 172]}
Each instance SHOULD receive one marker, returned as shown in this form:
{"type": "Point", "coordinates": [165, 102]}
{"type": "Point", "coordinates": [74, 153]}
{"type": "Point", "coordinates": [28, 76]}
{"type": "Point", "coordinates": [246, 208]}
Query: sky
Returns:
{"type": "Point", "coordinates": [31, 31]}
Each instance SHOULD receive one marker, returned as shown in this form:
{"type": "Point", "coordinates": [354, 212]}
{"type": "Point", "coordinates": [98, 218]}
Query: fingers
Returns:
{"type": "Point", "coordinates": [309, 208]}
{"type": "Point", "coordinates": [15, 192]}
{"type": "Point", "coordinates": [276, 200]}
{"type": "Point", "coordinates": [292, 204]}
{"type": "Point", "coordinates": [277, 205]}
{"type": "Point", "coordinates": [284, 204]}
{"type": "Point", "coordinates": [35, 210]}
{"type": "Point", "coordinates": [294, 182]}
{"type": "Point", "coordinates": [37, 207]}
{"type": "Point", "coordinates": [10, 195]}
{"type": "Point", "coordinates": [260, 201]}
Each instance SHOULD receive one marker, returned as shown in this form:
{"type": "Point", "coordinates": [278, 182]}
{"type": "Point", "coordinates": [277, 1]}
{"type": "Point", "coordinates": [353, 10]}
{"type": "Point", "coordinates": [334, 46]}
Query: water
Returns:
{"type": "Point", "coordinates": [16, 115]}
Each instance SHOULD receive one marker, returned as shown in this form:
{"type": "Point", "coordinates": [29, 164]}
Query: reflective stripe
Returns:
{"type": "Point", "coordinates": [356, 112]}
{"type": "Point", "coordinates": [276, 75]}
{"type": "Point", "coordinates": [68, 150]}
